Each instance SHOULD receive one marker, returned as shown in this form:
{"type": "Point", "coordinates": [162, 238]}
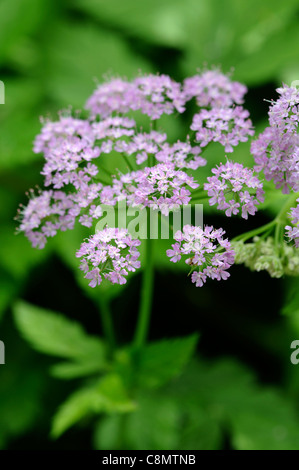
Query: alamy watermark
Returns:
{"type": "Point", "coordinates": [294, 358]}
{"type": "Point", "coordinates": [2, 93]}
{"type": "Point", "coordinates": [2, 353]}
{"type": "Point", "coordinates": [149, 222]}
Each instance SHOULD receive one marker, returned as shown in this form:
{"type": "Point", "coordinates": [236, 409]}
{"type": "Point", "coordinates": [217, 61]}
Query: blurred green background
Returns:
{"type": "Point", "coordinates": [242, 392]}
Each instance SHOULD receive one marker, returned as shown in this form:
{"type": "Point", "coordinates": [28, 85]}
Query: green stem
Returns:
{"type": "Point", "coordinates": [287, 205]}
{"type": "Point", "coordinates": [128, 162]}
{"type": "Point", "coordinates": [245, 236]}
{"type": "Point", "coordinates": [200, 193]}
{"type": "Point", "coordinates": [107, 323]}
{"type": "Point", "coordinates": [146, 294]}
{"type": "Point", "coordinates": [277, 222]}
{"type": "Point", "coordinates": [199, 200]}
{"type": "Point", "coordinates": [277, 235]}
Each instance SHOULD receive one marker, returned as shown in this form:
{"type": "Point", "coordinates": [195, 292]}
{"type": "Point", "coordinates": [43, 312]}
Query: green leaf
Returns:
{"type": "Point", "coordinates": [69, 370]}
{"type": "Point", "coordinates": [78, 55]}
{"type": "Point", "coordinates": [158, 21]}
{"type": "Point", "coordinates": [20, 122]}
{"type": "Point", "coordinates": [266, 421]}
{"type": "Point", "coordinates": [53, 334]}
{"type": "Point", "coordinates": [291, 303]}
{"type": "Point", "coordinates": [17, 19]}
{"type": "Point", "coordinates": [21, 391]}
{"type": "Point", "coordinates": [154, 425]}
{"type": "Point", "coordinates": [163, 360]}
{"type": "Point", "coordinates": [242, 36]}
{"type": "Point", "coordinates": [161, 421]}
{"type": "Point", "coordinates": [257, 418]}
{"type": "Point", "coordinates": [105, 396]}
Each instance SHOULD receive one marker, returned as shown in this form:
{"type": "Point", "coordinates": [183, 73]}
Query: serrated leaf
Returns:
{"type": "Point", "coordinates": [54, 334]}
{"type": "Point", "coordinates": [163, 360]}
{"type": "Point", "coordinates": [106, 396]}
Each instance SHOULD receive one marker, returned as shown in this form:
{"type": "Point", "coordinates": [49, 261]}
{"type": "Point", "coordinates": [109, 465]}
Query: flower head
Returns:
{"type": "Point", "coordinates": [228, 126]}
{"type": "Point", "coordinates": [276, 150]}
{"type": "Point", "coordinates": [215, 89]}
{"type": "Point", "coordinates": [153, 95]}
{"type": "Point", "coordinates": [110, 253]}
{"type": "Point", "coordinates": [234, 187]}
{"type": "Point", "coordinates": [161, 187]}
{"type": "Point", "coordinates": [292, 232]}
{"type": "Point", "coordinates": [207, 252]}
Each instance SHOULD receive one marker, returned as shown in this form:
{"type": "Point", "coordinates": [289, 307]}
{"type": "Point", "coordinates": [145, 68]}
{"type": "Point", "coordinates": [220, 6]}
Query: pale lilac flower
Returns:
{"type": "Point", "coordinates": [75, 151]}
{"type": "Point", "coordinates": [215, 89]}
{"type": "Point", "coordinates": [208, 253]}
{"type": "Point", "coordinates": [66, 144]}
{"type": "Point", "coordinates": [234, 187]}
{"type": "Point", "coordinates": [141, 145]}
{"type": "Point", "coordinates": [292, 232]}
{"type": "Point", "coordinates": [161, 187]}
{"type": "Point", "coordinates": [160, 95]}
{"type": "Point", "coordinates": [111, 253]}
{"type": "Point", "coordinates": [228, 126]}
{"type": "Point", "coordinates": [153, 95]}
{"type": "Point", "coordinates": [182, 154]}
{"type": "Point", "coordinates": [54, 210]}
{"type": "Point", "coordinates": [276, 151]}
{"type": "Point", "coordinates": [117, 95]}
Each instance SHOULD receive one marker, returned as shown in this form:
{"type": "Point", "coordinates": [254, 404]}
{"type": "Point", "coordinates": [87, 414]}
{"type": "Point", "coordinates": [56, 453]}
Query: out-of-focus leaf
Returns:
{"type": "Point", "coordinates": [19, 122]}
{"type": "Point", "coordinates": [106, 396]}
{"type": "Point", "coordinates": [18, 19]}
{"type": "Point", "coordinates": [265, 421]}
{"type": "Point", "coordinates": [21, 257]}
{"type": "Point", "coordinates": [54, 334]}
{"type": "Point", "coordinates": [243, 37]}
{"type": "Point", "coordinates": [8, 290]}
{"type": "Point", "coordinates": [158, 21]}
{"type": "Point", "coordinates": [291, 303]}
{"type": "Point", "coordinates": [69, 370]}
{"type": "Point", "coordinates": [163, 360]}
{"type": "Point", "coordinates": [258, 418]}
{"type": "Point", "coordinates": [20, 401]}
{"type": "Point", "coordinates": [79, 54]}
{"type": "Point", "coordinates": [154, 425]}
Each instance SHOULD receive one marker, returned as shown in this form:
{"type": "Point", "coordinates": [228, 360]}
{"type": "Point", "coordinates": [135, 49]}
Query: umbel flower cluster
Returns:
{"type": "Point", "coordinates": [276, 151]}
{"type": "Point", "coordinates": [158, 172]}
{"type": "Point", "coordinates": [206, 249]}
